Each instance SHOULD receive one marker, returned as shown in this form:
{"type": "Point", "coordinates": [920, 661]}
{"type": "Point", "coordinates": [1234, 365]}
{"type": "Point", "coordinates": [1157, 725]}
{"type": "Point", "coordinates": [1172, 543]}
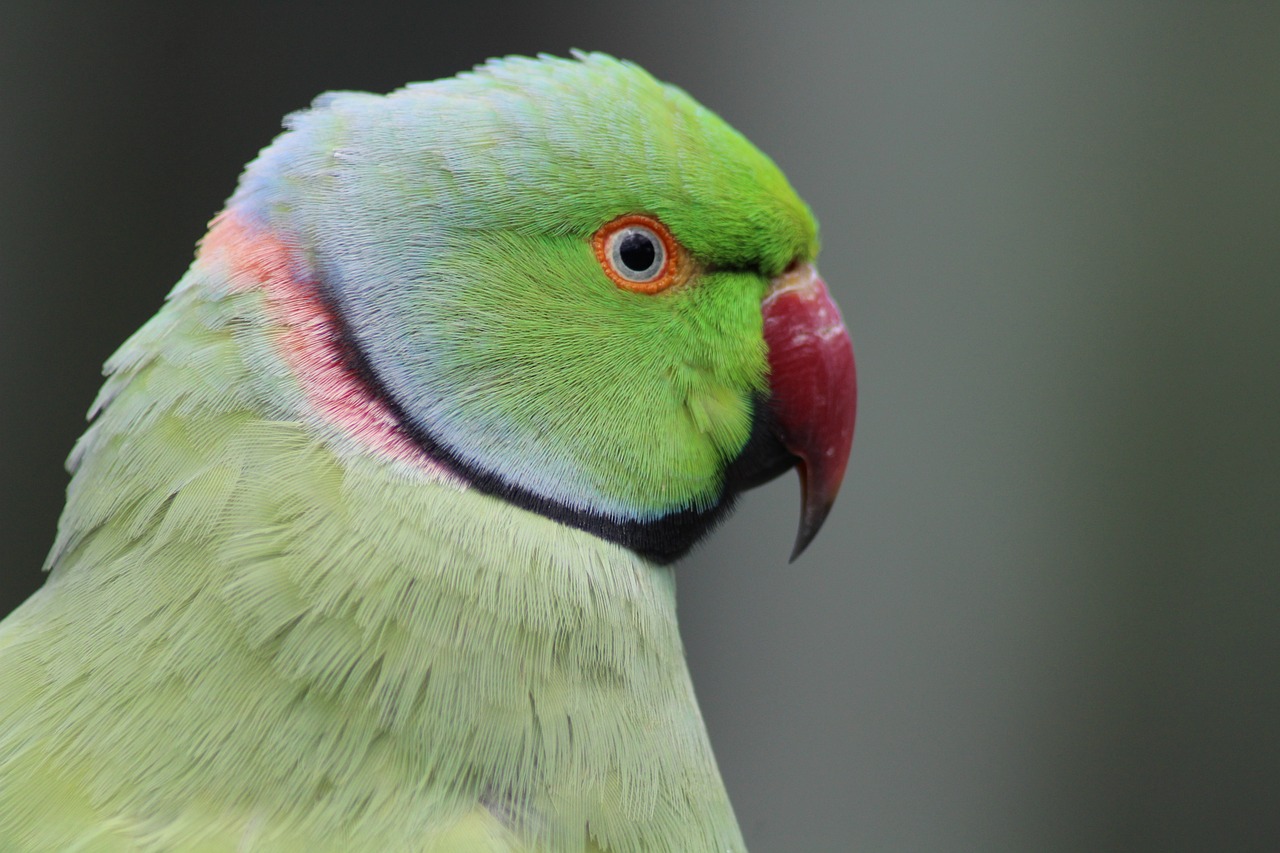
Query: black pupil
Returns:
{"type": "Point", "coordinates": [637, 251]}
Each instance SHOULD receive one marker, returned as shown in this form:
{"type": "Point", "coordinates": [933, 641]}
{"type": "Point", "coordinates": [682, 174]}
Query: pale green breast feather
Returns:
{"type": "Point", "coordinates": [332, 647]}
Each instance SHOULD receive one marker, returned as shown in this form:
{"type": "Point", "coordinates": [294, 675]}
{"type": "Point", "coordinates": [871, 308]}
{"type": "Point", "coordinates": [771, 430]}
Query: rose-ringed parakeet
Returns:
{"type": "Point", "coordinates": [368, 545]}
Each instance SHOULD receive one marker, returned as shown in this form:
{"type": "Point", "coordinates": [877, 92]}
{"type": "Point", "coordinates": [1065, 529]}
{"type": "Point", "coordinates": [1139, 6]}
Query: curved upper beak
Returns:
{"type": "Point", "coordinates": [814, 389]}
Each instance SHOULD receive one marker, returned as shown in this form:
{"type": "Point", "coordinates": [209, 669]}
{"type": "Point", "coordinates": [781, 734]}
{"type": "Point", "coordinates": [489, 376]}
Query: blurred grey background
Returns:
{"type": "Point", "coordinates": [1043, 616]}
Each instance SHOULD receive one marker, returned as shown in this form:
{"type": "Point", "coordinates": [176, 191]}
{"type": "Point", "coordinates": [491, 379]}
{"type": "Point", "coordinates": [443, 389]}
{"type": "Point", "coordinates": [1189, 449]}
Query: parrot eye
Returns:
{"type": "Point", "coordinates": [638, 253]}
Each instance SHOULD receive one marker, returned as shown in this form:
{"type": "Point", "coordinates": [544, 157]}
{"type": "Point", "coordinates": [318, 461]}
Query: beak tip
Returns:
{"type": "Point", "coordinates": [806, 535]}
{"type": "Point", "coordinates": [813, 514]}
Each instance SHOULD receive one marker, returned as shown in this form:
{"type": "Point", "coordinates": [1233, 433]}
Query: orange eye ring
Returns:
{"type": "Point", "coordinates": [639, 253]}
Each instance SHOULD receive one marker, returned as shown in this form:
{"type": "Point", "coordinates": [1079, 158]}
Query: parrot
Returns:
{"type": "Point", "coordinates": [370, 542]}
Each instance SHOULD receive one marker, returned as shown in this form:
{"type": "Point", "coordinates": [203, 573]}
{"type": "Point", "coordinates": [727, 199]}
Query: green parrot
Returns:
{"type": "Point", "coordinates": [368, 546]}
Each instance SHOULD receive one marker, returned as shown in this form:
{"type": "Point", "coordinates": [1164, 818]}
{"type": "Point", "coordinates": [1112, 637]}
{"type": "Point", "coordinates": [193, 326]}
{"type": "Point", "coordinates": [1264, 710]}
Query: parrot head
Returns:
{"type": "Point", "coordinates": [559, 282]}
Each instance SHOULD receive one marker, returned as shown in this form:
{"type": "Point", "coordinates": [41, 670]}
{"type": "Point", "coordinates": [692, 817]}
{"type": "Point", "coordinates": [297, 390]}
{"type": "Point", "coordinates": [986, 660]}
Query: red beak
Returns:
{"type": "Point", "coordinates": [814, 389]}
